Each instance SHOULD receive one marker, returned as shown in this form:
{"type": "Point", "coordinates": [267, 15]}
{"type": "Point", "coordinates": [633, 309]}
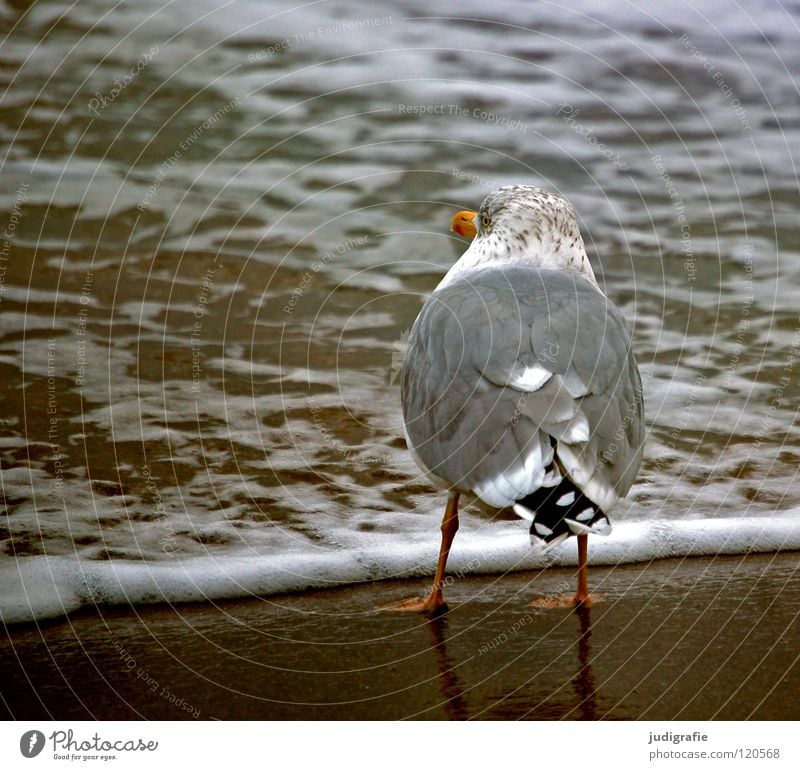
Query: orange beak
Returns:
{"type": "Point", "coordinates": [463, 223]}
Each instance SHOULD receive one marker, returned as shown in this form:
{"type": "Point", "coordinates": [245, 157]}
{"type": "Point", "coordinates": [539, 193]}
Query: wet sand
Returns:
{"type": "Point", "coordinates": [674, 639]}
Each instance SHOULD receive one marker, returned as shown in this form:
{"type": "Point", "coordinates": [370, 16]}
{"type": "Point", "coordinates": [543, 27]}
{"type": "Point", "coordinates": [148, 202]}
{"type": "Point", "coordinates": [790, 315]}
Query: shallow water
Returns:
{"type": "Point", "coordinates": [210, 266]}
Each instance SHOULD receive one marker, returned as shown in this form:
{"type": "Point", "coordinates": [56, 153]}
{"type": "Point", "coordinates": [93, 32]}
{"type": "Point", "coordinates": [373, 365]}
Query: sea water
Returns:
{"type": "Point", "coordinates": [220, 222]}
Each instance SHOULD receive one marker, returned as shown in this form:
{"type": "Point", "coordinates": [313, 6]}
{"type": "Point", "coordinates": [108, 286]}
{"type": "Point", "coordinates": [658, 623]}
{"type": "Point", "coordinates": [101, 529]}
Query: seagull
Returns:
{"type": "Point", "coordinates": [519, 385]}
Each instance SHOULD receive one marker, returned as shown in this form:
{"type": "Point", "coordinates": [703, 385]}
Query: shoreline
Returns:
{"type": "Point", "coordinates": [701, 638]}
{"type": "Point", "coordinates": [37, 587]}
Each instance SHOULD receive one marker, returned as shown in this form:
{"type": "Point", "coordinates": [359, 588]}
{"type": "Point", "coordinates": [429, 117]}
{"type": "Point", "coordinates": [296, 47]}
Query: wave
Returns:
{"type": "Point", "coordinates": [41, 587]}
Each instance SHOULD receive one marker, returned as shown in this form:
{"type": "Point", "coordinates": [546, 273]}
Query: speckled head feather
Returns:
{"type": "Point", "coordinates": [526, 225]}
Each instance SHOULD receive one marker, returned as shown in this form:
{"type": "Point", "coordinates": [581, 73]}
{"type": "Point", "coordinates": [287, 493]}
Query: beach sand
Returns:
{"type": "Point", "coordinates": [675, 639]}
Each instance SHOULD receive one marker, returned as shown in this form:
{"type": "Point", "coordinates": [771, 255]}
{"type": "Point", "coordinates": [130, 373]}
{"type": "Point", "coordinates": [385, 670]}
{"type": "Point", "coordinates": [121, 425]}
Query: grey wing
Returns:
{"type": "Point", "coordinates": [512, 368]}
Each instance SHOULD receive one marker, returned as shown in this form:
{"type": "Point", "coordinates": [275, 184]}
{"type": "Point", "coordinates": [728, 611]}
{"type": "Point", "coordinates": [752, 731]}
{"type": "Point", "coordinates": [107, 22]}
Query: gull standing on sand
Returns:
{"type": "Point", "coordinates": [519, 383]}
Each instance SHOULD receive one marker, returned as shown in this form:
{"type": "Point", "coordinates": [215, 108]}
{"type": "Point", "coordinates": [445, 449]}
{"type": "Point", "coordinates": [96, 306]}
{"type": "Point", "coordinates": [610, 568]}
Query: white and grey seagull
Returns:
{"type": "Point", "coordinates": [520, 384]}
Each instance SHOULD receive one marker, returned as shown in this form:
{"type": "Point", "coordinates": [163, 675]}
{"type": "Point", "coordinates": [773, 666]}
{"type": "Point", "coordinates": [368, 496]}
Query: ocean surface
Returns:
{"type": "Point", "coordinates": [219, 221]}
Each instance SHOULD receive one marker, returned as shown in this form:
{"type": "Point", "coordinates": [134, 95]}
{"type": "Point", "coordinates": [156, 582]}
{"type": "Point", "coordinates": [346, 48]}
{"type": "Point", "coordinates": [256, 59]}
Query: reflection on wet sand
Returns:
{"type": "Point", "coordinates": [450, 684]}
{"type": "Point", "coordinates": [661, 646]}
{"type": "Point", "coordinates": [584, 682]}
{"type": "Point", "coordinates": [526, 701]}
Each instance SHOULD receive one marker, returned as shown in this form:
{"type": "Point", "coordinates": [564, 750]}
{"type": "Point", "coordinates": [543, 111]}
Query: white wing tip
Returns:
{"type": "Point", "coordinates": [529, 378]}
{"type": "Point", "coordinates": [523, 512]}
{"type": "Point", "coordinates": [601, 527]}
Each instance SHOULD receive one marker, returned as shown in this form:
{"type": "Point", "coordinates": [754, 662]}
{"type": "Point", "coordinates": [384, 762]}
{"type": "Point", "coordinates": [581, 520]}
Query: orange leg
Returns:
{"type": "Point", "coordinates": [435, 603]}
{"type": "Point", "coordinates": [582, 597]}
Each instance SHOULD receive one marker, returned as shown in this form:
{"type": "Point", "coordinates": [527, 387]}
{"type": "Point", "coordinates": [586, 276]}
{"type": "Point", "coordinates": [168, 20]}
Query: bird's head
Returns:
{"type": "Point", "coordinates": [523, 224]}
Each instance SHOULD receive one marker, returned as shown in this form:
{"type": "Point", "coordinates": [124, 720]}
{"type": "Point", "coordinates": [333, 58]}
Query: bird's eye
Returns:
{"type": "Point", "coordinates": [486, 220]}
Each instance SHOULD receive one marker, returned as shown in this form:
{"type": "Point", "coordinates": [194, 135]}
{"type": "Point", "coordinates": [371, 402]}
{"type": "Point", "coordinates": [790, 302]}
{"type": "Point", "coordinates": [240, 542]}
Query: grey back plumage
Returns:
{"type": "Point", "coordinates": [510, 369]}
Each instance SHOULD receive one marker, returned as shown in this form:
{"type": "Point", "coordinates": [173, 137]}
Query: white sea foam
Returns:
{"type": "Point", "coordinates": [39, 587]}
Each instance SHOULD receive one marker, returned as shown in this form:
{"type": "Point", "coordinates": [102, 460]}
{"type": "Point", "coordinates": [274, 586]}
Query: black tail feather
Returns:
{"type": "Point", "coordinates": [561, 511]}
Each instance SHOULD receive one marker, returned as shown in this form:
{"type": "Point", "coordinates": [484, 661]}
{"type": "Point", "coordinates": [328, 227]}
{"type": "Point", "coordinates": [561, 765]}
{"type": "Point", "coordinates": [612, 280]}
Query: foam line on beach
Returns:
{"type": "Point", "coordinates": [41, 587]}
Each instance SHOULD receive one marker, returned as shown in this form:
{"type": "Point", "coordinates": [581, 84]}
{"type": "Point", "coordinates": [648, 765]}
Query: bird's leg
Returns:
{"type": "Point", "coordinates": [582, 597]}
{"type": "Point", "coordinates": [435, 603]}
